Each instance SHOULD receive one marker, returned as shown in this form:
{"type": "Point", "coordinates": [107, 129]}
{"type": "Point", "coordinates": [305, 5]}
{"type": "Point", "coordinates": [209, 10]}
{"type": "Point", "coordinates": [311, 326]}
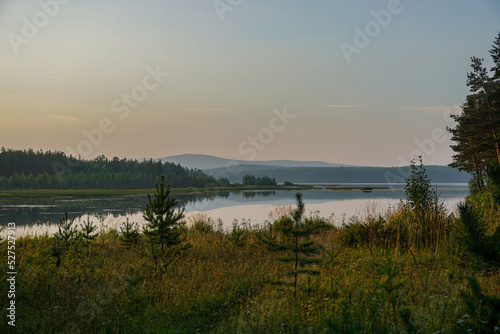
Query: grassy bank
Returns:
{"type": "Point", "coordinates": [367, 283]}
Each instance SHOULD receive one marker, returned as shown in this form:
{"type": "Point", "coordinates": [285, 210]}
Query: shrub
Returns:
{"type": "Point", "coordinates": [358, 233]}
{"type": "Point", "coordinates": [201, 223]}
{"type": "Point", "coordinates": [476, 237]}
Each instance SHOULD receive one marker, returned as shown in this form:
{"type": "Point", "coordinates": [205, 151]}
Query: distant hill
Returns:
{"type": "Point", "coordinates": [202, 161]}
{"type": "Point", "coordinates": [437, 174]}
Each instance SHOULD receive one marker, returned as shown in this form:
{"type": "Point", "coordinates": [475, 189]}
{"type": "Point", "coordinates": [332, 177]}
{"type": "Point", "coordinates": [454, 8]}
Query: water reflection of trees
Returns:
{"type": "Point", "coordinates": [51, 210]}
{"type": "Point", "coordinates": [252, 194]}
{"type": "Point", "coordinates": [183, 200]}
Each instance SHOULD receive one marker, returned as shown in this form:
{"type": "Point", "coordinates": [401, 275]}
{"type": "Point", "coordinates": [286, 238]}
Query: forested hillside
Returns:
{"type": "Point", "coordinates": [437, 174]}
{"type": "Point", "coordinates": [28, 169]}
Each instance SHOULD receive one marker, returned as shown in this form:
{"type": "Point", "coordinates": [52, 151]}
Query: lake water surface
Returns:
{"type": "Point", "coordinates": [38, 215]}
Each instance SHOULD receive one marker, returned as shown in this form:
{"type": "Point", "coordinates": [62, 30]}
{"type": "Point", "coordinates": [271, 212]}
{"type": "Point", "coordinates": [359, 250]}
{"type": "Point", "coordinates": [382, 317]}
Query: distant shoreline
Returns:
{"type": "Point", "coordinates": [131, 192]}
{"type": "Point", "coordinates": [183, 191]}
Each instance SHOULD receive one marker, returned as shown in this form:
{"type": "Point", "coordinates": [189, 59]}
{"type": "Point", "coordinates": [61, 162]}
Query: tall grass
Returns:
{"type": "Point", "coordinates": [399, 227]}
{"type": "Point", "coordinates": [392, 272]}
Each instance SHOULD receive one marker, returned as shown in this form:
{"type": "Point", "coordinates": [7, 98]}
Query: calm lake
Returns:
{"type": "Point", "coordinates": [39, 215]}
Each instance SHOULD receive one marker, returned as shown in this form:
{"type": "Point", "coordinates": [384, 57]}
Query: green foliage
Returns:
{"type": "Point", "coordinates": [294, 241]}
{"type": "Point", "coordinates": [418, 191]}
{"type": "Point", "coordinates": [473, 186]}
{"type": "Point", "coordinates": [250, 180]}
{"type": "Point", "coordinates": [358, 290]}
{"type": "Point", "coordinates": [66, 232]}
{"type": "Point", "coordinates": [163, 219]}
{"type": "Point", "coordinates": [494, 183]}
{"type": "Point", "coordinates": [88, 231]}
{"type": "Point", "coordinates": [288, 183]}
{"type": "Point", "coordinates": [28, 169]}
{"type": "Point", "coordinates": [238, 236]}
{"type": "Point", "coordinates": [483, 311]}
{"type": "Point", "coordinates": [423, 218]}
{"type": "Point", "coordinates": [408, 321]}
{"type": "Point", "coordinates": [129, 234]}
{"type": "Point", "coordinates": [335, 175]}
{"type": "Point", "coordinates": [391, 285]}
{"type": "Point", "coordinates": [476, 236]}
{"type": "Point", "coordinates": [425, 228]}
{"type": "Point", "coordinates": [477, 145]}
{"type": "Point", "coordinates": [317, 224]}
{"type": "Point", "coordinates": [360, 233]}
{"type": "Point", "coordinates": [346, 323]}
{"type": "Point", "coordinates": [201, 223]}
{"type": "Point", "coordinates": [421, 221]}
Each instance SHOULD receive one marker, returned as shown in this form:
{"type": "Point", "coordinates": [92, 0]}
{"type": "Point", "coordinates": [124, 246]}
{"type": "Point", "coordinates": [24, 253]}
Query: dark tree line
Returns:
{"type": "Point", "coordinates": [477, 147]}
{"type": "Point", "coordinates": [251, 180]}
{"type": "Point", "coordinates": [28, 169]}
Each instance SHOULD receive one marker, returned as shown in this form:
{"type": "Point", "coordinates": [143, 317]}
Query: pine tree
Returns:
{"type": "Point", "coordinates": [163, 218]}
{"type": "Point", "coordinates": [129, 235]}
{"type": "Point", "coordinates": [238, 237]}
{"type": "Point", "coordinates": [483, 309]}
{"type": "Point", "coordinates": [88, 231]}
{"type": "Point", "coordinates": [476, 134]}
{"type": "Point", "coordinates": [293, 240]}
{"type": "Point", "coordinates": [476, 237]}
{"type": "Point", "coordinates": [66, 231]}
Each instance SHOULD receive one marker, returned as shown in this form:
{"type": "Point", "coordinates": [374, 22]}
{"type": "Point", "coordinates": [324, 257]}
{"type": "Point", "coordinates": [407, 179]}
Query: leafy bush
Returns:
{"type": "Point", "coordinates": [418, 191]}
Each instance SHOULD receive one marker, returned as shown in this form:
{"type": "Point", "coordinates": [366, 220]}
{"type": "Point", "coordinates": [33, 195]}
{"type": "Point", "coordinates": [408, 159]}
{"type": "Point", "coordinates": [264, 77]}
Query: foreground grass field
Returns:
{"type": "Point", "coordinates": [413, 269]}
{"type": "Point", "coordinates": [221, 284]}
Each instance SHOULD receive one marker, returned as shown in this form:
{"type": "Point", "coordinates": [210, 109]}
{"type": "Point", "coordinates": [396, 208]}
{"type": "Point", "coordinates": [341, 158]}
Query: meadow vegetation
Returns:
{"type": "Point", "coordinates": [413, 269]}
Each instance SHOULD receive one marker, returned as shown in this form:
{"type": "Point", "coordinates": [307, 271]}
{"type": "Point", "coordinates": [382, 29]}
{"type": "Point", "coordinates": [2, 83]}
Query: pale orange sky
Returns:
{"type": "Point", "coordinates": [91, 77]}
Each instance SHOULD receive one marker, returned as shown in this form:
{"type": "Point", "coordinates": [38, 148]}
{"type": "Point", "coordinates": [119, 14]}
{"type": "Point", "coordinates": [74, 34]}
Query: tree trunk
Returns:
{"type": "Point", "coordinates": [488, 92]}
{"type": "Point", "coordinates": [493, 132]}
{"type": "Point", "coordinates": [479, 177]}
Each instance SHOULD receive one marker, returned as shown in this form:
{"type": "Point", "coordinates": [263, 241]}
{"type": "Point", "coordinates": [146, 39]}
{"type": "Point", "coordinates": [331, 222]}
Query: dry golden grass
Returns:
{"type": "Point", "coordinates": [217, 287]}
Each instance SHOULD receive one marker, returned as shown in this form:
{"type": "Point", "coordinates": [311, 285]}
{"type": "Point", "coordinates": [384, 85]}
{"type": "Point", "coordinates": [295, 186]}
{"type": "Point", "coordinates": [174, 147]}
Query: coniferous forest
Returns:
{"type": "Point", "coordinates": [28, 169]}
{"type": "Point", "coordinates": [476, 135]}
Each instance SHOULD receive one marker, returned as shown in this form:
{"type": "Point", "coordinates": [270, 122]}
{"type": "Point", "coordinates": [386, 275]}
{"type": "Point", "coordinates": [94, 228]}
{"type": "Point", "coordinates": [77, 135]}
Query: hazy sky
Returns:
{"type": "Point", "coordinates": [355, 82]}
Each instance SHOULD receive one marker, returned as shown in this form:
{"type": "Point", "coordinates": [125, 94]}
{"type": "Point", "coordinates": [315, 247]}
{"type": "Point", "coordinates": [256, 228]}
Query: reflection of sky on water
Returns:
{"type": "Point", "coordinates": [249, 205]}
{"type": "Point", "coordinates": [286, 197]}
{"type": "Point", "coordinates": [340, 210]}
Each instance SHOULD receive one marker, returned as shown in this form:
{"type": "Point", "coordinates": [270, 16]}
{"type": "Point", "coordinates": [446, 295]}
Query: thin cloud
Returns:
{"type": "Point", "coordinates": [454, 109]}
{"type": "Point", "coordinates": [203, 109]}
{"type": "Point", "coordinates": [343, 106]}
{"type": "Point", "coordinates": [65, 118]}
